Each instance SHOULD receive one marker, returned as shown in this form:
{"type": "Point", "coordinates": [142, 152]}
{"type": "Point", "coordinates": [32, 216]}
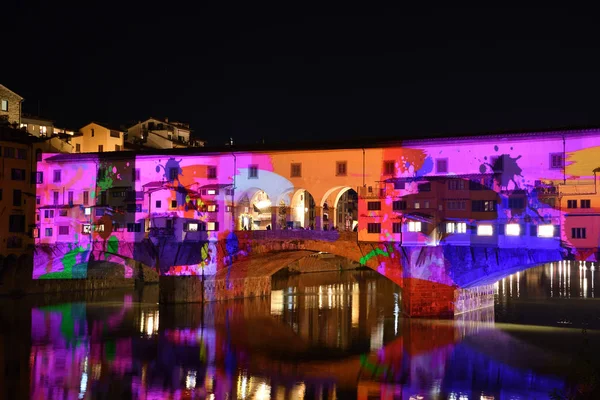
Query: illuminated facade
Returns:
{"type": "Point", "coordinates": [97, 138]}
{"type": "Point", "coordinates": [162, 134]}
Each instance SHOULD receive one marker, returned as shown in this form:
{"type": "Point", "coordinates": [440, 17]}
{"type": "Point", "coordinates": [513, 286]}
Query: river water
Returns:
{"type": "Point", "coordinates": [319, 336]}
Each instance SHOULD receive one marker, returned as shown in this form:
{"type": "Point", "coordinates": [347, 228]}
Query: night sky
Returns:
{"type": "Point", "coordinates": [277, 74]}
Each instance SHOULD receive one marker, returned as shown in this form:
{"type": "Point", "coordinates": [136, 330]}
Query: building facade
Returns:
{"type": "Point", "coordinates": [17, 193]}
{"type": "Point", "coordinates": [10, 106]}
{"type": "Point", "coordinates": [97, 138]}
{"type": "Point", "coordinates": [37, 126]}
{"type": "Point", "coordinates": [489, 190]}
{"type": "Point", "coordinates": [162, 134]}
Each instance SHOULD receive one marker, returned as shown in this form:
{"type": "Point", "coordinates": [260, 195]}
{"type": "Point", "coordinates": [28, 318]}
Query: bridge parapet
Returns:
{"type": "Point", "coordinates": [299, 234]}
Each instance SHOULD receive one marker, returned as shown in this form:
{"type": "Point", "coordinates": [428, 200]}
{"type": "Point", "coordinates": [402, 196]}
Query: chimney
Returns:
{"type": "Point", "coordinates": [167, 120]}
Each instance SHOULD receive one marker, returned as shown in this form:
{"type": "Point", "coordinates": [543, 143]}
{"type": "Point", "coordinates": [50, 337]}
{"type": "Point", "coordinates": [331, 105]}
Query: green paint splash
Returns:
{"type": "Point", "coordinates": [373, 253]}
{"type": "Point", "coordinates": [70, 267]}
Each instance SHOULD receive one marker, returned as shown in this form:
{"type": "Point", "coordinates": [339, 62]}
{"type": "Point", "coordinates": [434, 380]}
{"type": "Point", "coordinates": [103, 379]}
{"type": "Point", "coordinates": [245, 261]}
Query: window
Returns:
{"type": "Point", "coordinates": [485, 230]}
{"type": "Point", "coordinates": [39, 177]}
{"type": "Point", "coordinates": [22, 154]}
{"type": "Point", "coordinates": [212, 226]}
{"type": "Point", "coordinates": [135, 174]}
{"type": "Point", "coordinates": [9, 152]}
{"type": "Point", "coordinates": [456, 184]}
{"type": "Point", "coordinates": [88, 211]}
{"type": "Point", "coordinates": [425, 187]}
{"type": "Point", "coordinates": [456, 205]}
{"type": "Point", "coordinates": [341, 168]}
{"type": "Point", "coordinates": [17, 174]}
{"type": "Point", "coordinates": [450, 227]}
{"type": "Point", "coordinates": [461, 227]}
{"type": "Point", "coordinates": [158, 204]}
{"type": "Point", "coordinates": [57, 176]}
{"type": "Point", "coordinates": [119, 193]}
{"type": "Point", "coordinates": [48, 213]}
{"type": "Point", "coordinates": [134, 207]}
{"type": "Point", "coordinates": [397, 227]}
{"type": "Point", "coordinates": [414, 226]}
{"type": "Point", "coordinates": [252, 171]}
{"type": "Point", "coordinates": [48, 232]}
{"type": "Point", "coordinates": [399, 205]}
{"type": "Point", "coordinates": [578, 233]}
{"type": "Point", "coordinates": [441, 165]}
{"type": "Point", "coordinates": [117, 147]}
{"type": "Point", "coordinates": [62, 212]}
{"type": "Point", "coordinates": [374, 205]}
{"type": "Point", "coordinates": [70, 195]}
{"type": "Point", "coordinates": [296, 170]}
{"type": "Point", "coordinates": [545, 231]}
{"type": "Point", "coordinates": [77, 148]}
{"type": "Point", "coordinates": [38, 200]}
{"type": "Point", "coordinates": [516, 202]}
{"type": "Point", "coordinates": [571, 203]}
{"type": "Point", "coordinates": [86, 197]}
{"type": "Point", "coordinates": [373, 227]}
{"type": "Point", "coordinates": [16, 198]}
{"type": "Point", "coordinates": [92, 132]}
{"type": "Point", "coordinates": [173, 203]}
{"type": "Point", "coordinates": [556, 161]}
{"type": "Point", "coordinates": [483, 205]}
{"type": "Point", "coordinates": [586, 203]}
{"type": "Point", "coordinates": [16, 223]}
{"type": "Point", "coordinates": [399, 185]}
{"type": "Point", "coordinates": [63, 230]}
{"type": "Point", "coordinates": [100, 148]}
{"type": "Point", "coordinates": [212, 208]}
{"type": "Point", "coordinates": [86, 228]}
{"type": "Point", "coordinates": [4, 105]}
{"type": "Point", "coordinates": [512, 230]}
{"type": "Point", "coordinates": [134, 227]}
{"type": "Point", "coordinates": [99, 212]}
{"type": "Point", "coordinates": [389, 167]}
{"type": "Point", "coordinates": [173, 173]}
{"type": "Point", "coordinates": [211, 172]}
{"type": "Point", "coordinates": [191, 227]}
{"type": "Point", "coordinates": [115, 134]}
{"type": "Point", "coordinates": [417, 205]}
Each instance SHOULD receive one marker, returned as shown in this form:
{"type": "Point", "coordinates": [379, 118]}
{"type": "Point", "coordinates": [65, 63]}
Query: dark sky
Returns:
{"type": "Point", "coordinates": [255, 72]}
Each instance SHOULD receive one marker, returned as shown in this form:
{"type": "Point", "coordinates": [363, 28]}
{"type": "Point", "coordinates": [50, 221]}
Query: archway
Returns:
{"type": "Point", "coordinates": [304, 211]}
{"type": "Point", "coordinates": [340, 209]}
{"type": "Point", "coordinates": [254, 211]}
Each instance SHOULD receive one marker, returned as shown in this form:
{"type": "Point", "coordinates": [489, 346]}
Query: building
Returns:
{"type": "Point", "coordinates": [95, 137]}
{"type": "Point", "coordinates": [17, 192]}
{"type": "Point", "coordinates": [162, 134]}
{"type": "Point", "coordinates": [10, 106]}
{"type": "Point", "coordinates": [37, 126]}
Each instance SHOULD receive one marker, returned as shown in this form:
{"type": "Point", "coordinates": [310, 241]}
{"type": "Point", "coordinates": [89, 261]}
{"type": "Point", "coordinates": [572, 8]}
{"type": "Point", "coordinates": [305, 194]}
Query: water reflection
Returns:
{"type": "Point", "coordinates": [327, 336]}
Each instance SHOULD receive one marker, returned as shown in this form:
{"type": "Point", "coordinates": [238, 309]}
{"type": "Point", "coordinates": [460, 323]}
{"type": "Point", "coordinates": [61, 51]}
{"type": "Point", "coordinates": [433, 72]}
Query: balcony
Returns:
{"type": "Point", "coordinates": [372, 192]}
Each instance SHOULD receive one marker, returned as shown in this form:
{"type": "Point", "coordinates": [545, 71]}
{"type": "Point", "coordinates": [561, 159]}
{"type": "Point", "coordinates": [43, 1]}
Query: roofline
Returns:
{"type": "Point", "coordinates": [16, 94]}
{"type": "Point", "coordinates": [101, 125]}
{"type": "Point", "coordinates": [354, 144]}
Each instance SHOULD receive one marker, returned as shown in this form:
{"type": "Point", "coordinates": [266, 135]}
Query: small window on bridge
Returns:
{"type": "Point", "coordinates": [397, 227]}
{"type": "Point", "coordinates": [461, 227]}
{"type": "Point", "coordinates": [485, 230]}
{"type": "Point", "coordinates": [374, 205]}
{"type": "Point", "coordinates": [414, 226]}
{"type": "Point", "coordinates": [586, 203]}
{"type": "Point", "coordinates": [512, 230]}
{"type": "Point", "coordinates": [546, 231]}
{"type": "Point", "coordinates": [571, 203]}
{"type": "Point", "coordinates": [578, 233]}
{"type": "Point", "coordinates": [450, 227]}
{"type": "Point", "coordinates": [373, 227]}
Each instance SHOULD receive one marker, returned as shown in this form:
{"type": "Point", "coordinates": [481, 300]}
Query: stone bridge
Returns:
{"type": "Point", "coordinates": [436, 280]}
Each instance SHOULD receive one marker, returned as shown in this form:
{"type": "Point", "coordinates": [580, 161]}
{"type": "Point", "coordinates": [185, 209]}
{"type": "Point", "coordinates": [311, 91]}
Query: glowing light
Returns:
{"type": "Point", "coordinates": [513, 230]}
{"type": "Point", "coordinates": [211, 192]}
{"type": "Point", "coordinates": [450, 227]}
{"type": "Point", "coordinates": [88, 211]}
{"type": "Point", "coordinates": [190, 380]}
{"type": "Point", "coordinates": [192, 227]}
{"type": "Point", "coordinates": [277, 302]}
{"type": "Point", "coordinates": [546, 231]}
{"type": "Point", "coordinates": [461, 227]}
{"type": "Point", "coordinates": [263, 392]}
{"type": "Point", "coordinates": [211, 226]}
{"type": "Point", "coordinates": [414, 226]}
{"type": "Point", "coordinates": [485, 230]}
{"type": "Point", "coordinates": [266, 203]}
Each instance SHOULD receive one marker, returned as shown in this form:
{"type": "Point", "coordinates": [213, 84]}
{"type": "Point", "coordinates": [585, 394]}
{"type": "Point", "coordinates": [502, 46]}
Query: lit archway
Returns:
{"type": "Point", "coordinates": [254, 211]}
{"type": "Point", "coordinates": [303, 210]}
{"type": "Point", "coordinates": [340, 208]}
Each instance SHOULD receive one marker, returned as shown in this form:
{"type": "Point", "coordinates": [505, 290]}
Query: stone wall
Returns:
{"type": "Point", "coordinates": [14, 106]}
{"type": "Point", "coordinates": [194, 289]}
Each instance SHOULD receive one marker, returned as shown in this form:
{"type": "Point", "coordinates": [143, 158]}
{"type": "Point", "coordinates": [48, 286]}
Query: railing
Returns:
{"type": "Point", "coordinates": [293, 234]}
{"type": "Point", "coordinates": [372, 192]}
{"type": "Point", "coordinates": [585, 188]}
